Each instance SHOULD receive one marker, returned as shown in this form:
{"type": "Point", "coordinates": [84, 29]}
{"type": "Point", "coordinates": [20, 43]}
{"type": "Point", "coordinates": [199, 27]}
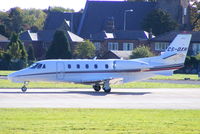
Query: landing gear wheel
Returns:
{"type": "Point", "coordinates": [24, 88]}
{"type": "Point", "coordinates": [106, 87]}
{"type": "Point", "coordinates": [107, 90]}
{"type": "Point", "coordinates": [97, 88]}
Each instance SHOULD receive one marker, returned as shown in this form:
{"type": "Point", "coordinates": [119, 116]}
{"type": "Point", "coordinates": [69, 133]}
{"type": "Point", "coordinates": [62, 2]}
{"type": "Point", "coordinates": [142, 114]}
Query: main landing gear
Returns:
{"type": "Point", "coordinates": [24, 88]}
{"type": "Point", "coordinates": [106, 87]}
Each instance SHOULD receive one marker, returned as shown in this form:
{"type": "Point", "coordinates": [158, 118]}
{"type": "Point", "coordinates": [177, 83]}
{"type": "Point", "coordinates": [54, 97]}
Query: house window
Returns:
{"type": "Point", "coordinates": [196, 48]}
{"type": "Point", "coordinates": [97, 45]}
{"type": "Point", "coordinates": [112, 46]}
{"type": "Point", "coordinates": [161, 46]}
{"type": "Point", "coordinates": [127, 46]}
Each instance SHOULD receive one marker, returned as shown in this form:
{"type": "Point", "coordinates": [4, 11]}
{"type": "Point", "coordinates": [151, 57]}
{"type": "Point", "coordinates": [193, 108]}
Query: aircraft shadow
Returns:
{"type": "Point", "coordinates": [91, 93]}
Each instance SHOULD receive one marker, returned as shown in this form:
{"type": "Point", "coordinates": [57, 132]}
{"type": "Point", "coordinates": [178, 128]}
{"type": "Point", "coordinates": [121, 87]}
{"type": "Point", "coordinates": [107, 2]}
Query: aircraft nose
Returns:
{"type": "Point", "coordinates": [11, 76]}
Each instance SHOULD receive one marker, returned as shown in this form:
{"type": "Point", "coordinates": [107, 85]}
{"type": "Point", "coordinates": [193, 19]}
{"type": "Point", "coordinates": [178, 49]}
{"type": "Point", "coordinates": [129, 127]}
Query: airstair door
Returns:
{"type": "Point", "coordinates": [60, 68]}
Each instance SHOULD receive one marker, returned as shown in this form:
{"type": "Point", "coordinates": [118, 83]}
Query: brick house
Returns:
{"type": "Point", "coordinates": [107, 23]}
{"type": "Point", "coordinates": [3, 42]}
{"type": "Point", "coordinates": [161, 42]}
{"type": "Point", "coordinates": [118, 41]}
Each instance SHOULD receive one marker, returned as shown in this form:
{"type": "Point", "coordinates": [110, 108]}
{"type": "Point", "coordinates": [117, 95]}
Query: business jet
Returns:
{"type": "Point", "coordinates": [102, 73]}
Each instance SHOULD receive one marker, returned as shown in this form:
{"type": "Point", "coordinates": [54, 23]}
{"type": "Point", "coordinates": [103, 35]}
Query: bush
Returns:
{"type": "Point", "coordinates": [141, 52]}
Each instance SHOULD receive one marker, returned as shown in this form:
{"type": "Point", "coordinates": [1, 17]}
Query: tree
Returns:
{"type": "Point", "coordinates": [61, 9]}
{"type": "Point", "coordinates": [159, 22]}
{"type": "Point", "coordinates": [33, 18]}
{"type": "Point", "coordinates": [60, 48]}
{"type": "Point", "coordinates": [16, 18]}
{"type": "Point", "coordinates": [85, 50]}
{"type": "Point", "coordinates": [14, 48]}
{"type": "Point", "coordinates": [141, 52]}
{"type": "Point", "coordinates": [17, 52]}
{"type": "Point", "coordinates": [31, 55]}
{"type": "Point", "coordinates": [195, 16]}
{"type": "Point", "coordinates": [5, 23]}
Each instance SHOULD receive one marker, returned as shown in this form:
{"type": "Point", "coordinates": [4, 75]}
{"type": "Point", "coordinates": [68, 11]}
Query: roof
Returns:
{"type": "Point", "coordinates": [97, 12]}
{"type": "Point", "coordinates": [121, 35]}
{"type": "Point", "coordinates": [55, 19]}
{"type": "Point", "coordinates": [47, 36]}
{"type": "Point", "coordinates": [74, 37]}
{"type": "Point", "coordinates": [169, 36]}
{"type": "Point", "coordinates": [3, 39]}
{"type": "Point", "coordinates": [44, 35]}
{"type": "Point", "coordinates": [117, 55]}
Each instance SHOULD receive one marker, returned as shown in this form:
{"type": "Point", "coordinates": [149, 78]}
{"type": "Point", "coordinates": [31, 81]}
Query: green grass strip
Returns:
{"type": "Point", "coordinates": [99, 121]}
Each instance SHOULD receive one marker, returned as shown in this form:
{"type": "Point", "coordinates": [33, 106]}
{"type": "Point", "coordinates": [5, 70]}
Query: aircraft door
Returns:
{"type": "Point", "coordinates": [60, 68]}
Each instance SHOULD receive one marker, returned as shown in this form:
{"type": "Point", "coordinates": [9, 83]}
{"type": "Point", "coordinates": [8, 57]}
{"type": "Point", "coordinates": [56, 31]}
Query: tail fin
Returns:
{"type": "Point", "coordinates": [177, 50]}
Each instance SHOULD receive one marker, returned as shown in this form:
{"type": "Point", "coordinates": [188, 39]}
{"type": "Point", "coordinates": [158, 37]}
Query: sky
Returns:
{"type": "Point", "coordinates": [44, 4]}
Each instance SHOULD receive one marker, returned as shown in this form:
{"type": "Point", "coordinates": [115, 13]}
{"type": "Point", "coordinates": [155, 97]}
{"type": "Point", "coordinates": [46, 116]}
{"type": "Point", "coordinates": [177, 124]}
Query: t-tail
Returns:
{"type": "Point", "coordinates": [177, 51]}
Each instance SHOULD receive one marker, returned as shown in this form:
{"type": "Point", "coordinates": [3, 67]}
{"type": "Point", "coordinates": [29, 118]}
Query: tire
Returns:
{"type": "Point", "coordinates": [24, 89]}
{"type": "Point", "coordinates": [107, 90]}
{"type": "Point", "coordinates": [97, 88]}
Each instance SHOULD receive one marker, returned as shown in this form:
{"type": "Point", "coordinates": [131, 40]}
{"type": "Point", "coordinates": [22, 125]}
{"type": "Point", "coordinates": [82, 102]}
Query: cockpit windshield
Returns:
{"type": "Point", "coordinates": [38, 66]}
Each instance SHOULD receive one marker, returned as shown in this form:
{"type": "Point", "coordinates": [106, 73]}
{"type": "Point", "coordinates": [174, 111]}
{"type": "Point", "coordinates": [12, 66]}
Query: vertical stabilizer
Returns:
{"type": "Point", "coordinates": [177, 50]}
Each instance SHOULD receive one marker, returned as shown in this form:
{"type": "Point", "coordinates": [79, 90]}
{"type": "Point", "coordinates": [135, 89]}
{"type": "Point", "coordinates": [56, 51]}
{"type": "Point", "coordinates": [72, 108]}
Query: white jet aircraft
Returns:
{"type": "Point", "coordinates": [102, 73]}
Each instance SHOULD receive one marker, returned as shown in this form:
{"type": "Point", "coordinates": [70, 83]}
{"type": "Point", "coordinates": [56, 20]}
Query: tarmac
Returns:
{"type": "Point", "coordinates": [86, 98]}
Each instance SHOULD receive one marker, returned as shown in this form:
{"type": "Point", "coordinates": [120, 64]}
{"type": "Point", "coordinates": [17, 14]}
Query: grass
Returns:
{"type": "Point", "coordinates": [177, 77]}
{"type": "Point", "coordinates": [8, 84]}
{"type": "Point", "coordinates": [99, 121]}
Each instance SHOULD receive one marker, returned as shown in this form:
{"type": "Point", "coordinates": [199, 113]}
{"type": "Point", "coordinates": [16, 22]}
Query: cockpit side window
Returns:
{"type": "Point", "coordinates": [39, 66]}
{"type": "Point", "coordinates": [34, 66]}
{"type": "Point", "coordinates": [44, 66]}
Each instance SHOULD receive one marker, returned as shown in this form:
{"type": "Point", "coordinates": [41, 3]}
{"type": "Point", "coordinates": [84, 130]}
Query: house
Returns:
{"type": "Point", "coordinates": [117, 55]}
{"type": "Point", "coordinates": [41, 41]}
{"type": "Point", "coordinates": [3, 42]}
{"type": "Point", "coordinates": [160, 43]}
{"type": "Point", "coordinates": [119, 41]}
{"type": "Point", "coordinates": [110, 25]}
{"type": "Point", "coordinates": [111, 16]}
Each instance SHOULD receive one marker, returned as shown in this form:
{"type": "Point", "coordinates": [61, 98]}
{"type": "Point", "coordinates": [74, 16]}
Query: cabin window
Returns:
{"type": "Point", "coordinates": [69, 66]}
{"type": "Point", "coordinates": [78, 66]}
{"type": "Point", "coordinates": [86, 66]}
{"type": "Point", "coordinates": [95, 66]}
{"type": "Point", "coordinates": [106, 66]}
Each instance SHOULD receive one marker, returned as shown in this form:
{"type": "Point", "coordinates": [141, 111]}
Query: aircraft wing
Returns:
{"type": "Point", "coordinates": [113, 81]}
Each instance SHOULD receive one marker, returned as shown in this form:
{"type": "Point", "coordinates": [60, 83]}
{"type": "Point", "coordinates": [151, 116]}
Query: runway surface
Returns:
{"type": "Point", "coordinates": [87, 98]}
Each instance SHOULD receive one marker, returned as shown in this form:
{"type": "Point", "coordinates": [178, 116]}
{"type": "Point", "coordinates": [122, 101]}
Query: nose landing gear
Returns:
{"type": "Point", "coordinates": [24, 88]}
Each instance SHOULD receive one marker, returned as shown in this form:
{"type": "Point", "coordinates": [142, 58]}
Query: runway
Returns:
{"type": "Point", "coordinates": [87, 98]}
